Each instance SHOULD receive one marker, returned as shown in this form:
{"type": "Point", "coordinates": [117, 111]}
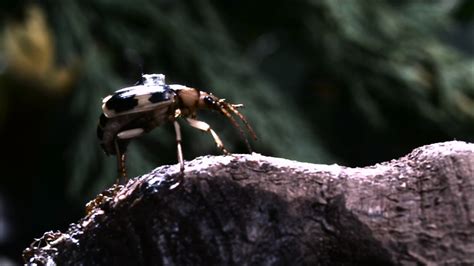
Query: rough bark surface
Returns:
{"type": "Point", "coordinates": [254, 210]}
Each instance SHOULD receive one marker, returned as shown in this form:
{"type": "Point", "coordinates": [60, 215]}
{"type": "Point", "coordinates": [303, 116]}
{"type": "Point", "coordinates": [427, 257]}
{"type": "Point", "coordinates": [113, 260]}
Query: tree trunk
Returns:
{"type": "Point", "coordinates": [254, 210]}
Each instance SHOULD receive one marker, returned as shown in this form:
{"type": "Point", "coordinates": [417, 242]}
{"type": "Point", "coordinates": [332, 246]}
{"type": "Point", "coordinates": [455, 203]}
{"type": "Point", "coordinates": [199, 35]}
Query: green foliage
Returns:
{"type": "Point", "coordinates": [322, 81]}
{"type": "Point", "coordinates": [354, 82]}
{"type": "Point", "coordinates": [190, 44]}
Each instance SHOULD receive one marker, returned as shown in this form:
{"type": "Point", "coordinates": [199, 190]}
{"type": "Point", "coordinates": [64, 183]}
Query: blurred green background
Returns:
{"type": "Point", "coordinates": [323, 81]}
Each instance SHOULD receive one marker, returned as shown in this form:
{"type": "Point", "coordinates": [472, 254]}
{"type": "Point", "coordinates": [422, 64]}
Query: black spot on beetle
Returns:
{"type": "Point", "coordinates": [120, 103]}
{"type": "Point", "coordinates": [161, 96]}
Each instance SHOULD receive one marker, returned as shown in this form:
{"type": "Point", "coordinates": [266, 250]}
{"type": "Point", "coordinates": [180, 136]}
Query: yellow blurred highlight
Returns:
{"type": "Point", "coordinates": [30, 55]}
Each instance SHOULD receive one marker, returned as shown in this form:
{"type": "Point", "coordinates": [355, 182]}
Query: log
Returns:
{"type": "Point", "coordinates": [258, 210]}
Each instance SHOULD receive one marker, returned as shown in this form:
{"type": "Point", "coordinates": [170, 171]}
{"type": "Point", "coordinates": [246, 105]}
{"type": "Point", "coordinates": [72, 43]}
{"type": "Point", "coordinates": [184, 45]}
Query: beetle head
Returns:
{"type": "Point", "coordinates": [207, 100]}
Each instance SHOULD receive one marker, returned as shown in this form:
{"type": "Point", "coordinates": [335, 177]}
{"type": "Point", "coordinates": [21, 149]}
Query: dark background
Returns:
{"type": "Point", "coordinates": [325, 81]}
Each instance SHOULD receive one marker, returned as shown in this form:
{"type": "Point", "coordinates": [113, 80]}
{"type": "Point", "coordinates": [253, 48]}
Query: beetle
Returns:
{"type": "Point", "coordinates": [133, 111]}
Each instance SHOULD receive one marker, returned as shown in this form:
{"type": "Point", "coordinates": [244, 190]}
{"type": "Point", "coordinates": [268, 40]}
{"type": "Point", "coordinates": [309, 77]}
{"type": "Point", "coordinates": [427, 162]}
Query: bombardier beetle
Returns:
{"type": "Point", "coordinates": [133, 111]}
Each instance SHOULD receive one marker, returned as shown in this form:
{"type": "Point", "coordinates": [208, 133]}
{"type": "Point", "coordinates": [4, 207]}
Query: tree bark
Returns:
{"type": "Point", "coordinates": [254, 210]}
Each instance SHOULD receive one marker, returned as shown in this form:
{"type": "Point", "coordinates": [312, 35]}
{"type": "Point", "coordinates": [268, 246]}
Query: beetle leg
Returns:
{"type": "Point", "coordinates": [131, 133]}
{"type": "Point", "coordinates": [122, 170]}
{"type": "Point", "coordinates": [205, 127]}
{"type": "Point", "coordinates": [177, 113]}
{"type": "Point", "coordinates": [178, 144]}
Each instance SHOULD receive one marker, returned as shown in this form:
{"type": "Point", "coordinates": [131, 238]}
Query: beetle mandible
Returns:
{"type": "Point", "coordinates": [133, 111]}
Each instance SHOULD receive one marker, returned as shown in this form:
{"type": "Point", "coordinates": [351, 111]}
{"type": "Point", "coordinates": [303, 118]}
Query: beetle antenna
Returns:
{"type": "Point", "coordinates": [224, 108]}
{"type": "Point", "coordinates": [233, 108]}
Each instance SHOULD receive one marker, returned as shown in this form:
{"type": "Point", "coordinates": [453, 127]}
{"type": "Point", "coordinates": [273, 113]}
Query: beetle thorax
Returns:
{"type": "Point", "coordinates": [188, 99]}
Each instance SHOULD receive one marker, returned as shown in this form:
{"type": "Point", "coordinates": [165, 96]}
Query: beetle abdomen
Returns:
{"type": "Point", "coordinates": [107, 131]}
{"type": "Point", "coordinates": [136, 99]}
{"type": "Point", "coordinates": [109, 128]}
